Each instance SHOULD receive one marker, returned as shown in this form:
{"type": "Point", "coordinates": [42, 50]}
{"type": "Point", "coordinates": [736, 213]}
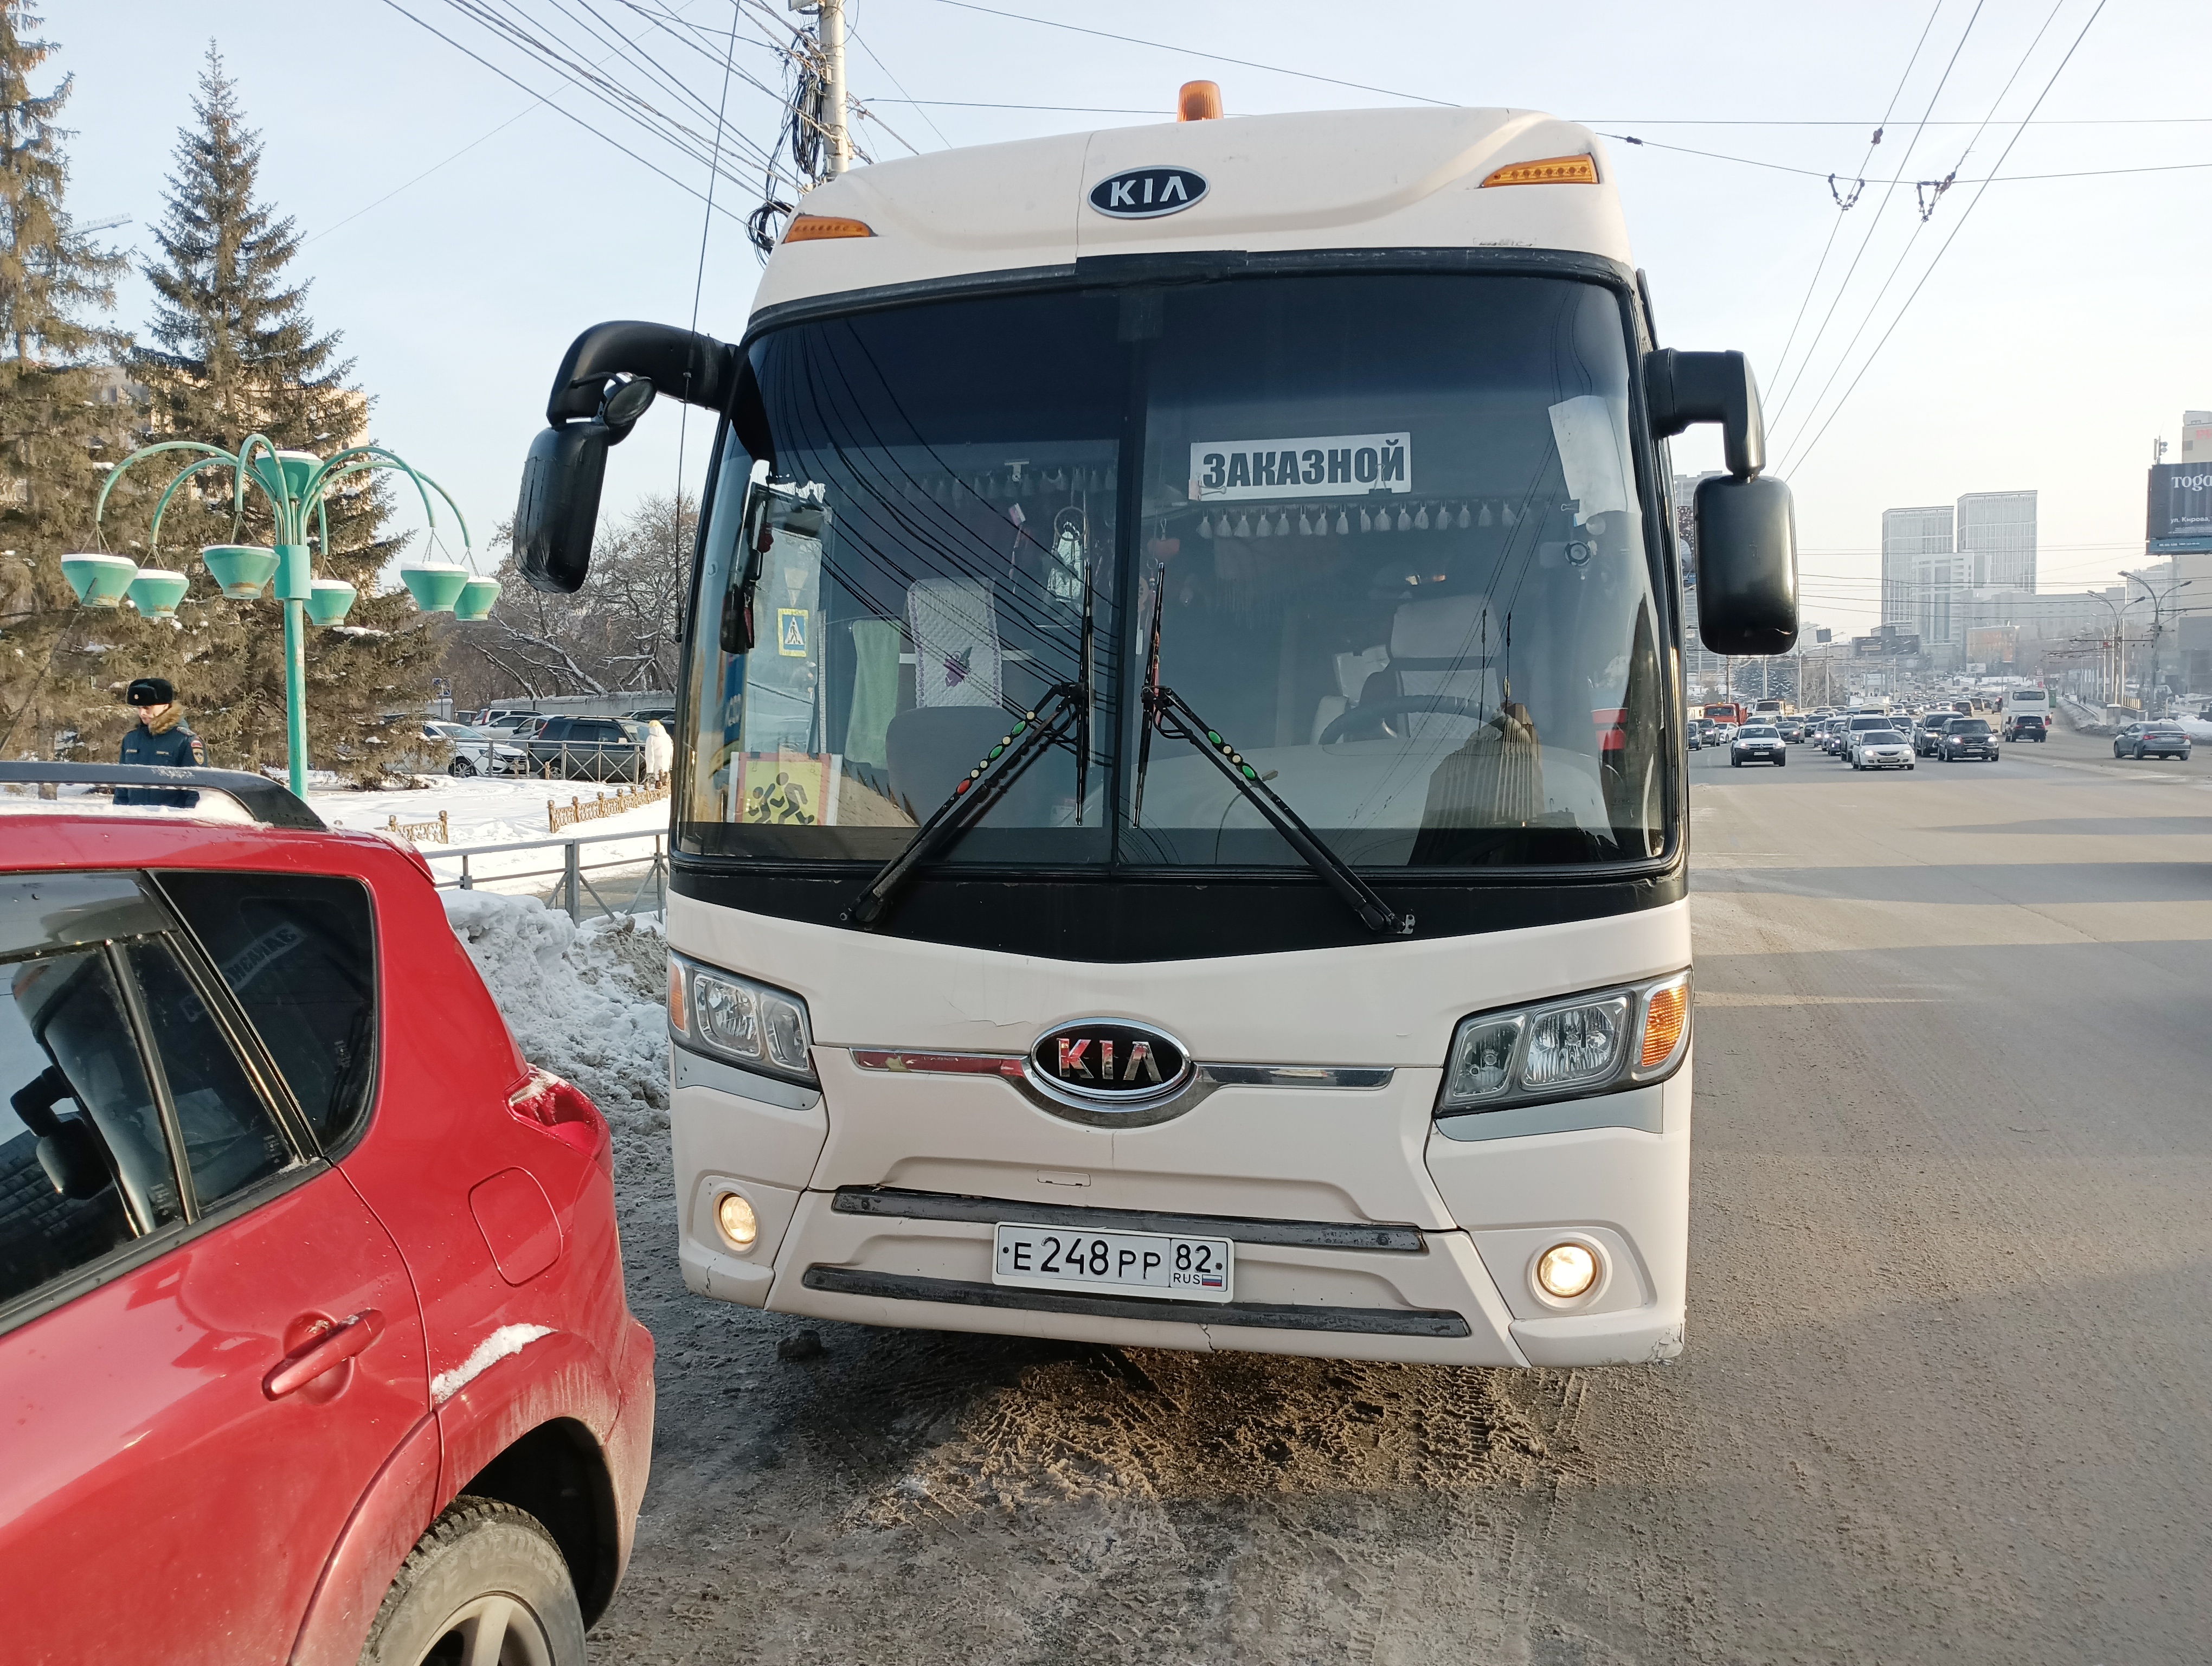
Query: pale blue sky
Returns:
{"type": "Point", "coordinates": [2057, 335]}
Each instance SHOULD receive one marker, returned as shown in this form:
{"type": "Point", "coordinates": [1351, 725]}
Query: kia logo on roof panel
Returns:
{"type": "Point", "coordinates": [1146, 193]}
{"type": "Point", "coordinates": [1108, 1063]}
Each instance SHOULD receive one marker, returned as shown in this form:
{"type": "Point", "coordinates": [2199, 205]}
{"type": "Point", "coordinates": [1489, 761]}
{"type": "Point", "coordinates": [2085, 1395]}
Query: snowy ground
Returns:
{"type": "Point", "coordinates": [479, 810]}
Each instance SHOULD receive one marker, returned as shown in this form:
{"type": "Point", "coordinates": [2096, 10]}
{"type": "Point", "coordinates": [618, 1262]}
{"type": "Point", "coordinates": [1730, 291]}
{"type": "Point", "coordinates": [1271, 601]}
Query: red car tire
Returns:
{"type": "Point", "coordinates": [480, 1564]}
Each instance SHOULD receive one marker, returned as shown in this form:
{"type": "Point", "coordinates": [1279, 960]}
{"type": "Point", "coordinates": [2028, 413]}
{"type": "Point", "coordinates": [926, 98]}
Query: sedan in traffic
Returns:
{"type": "Point", "coordinates": [1757, 743]}
{"type": "Point", "coordinates": [2143, 740]}
{"type": "Point", "coordinates": [1881, 749]}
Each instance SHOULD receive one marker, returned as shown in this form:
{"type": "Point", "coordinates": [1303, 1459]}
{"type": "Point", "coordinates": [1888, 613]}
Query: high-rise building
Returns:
{"type": "Point", "coordinates": [1996, 541]}
{"type": "Point", "coordinates": [1918, 573]}
{"type": "Point", "coordinates": [2197, 436]}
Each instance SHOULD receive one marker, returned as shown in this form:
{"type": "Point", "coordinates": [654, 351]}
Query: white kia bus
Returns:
{"type": "Point", "coordinates": [1179, 828]}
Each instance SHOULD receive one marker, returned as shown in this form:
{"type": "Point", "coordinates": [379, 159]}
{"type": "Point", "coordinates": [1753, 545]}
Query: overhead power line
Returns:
{"type": "Point", "coordinates": [1930, 192]}
{"type": "Point", "coordinates": [1889, 189]}
{"type": "Point", "coordinates": [1958, 226]}
{"type": "Point", "coordinates": [603, 138]}
{"type": "Point", "coordinates": [1183, 49]}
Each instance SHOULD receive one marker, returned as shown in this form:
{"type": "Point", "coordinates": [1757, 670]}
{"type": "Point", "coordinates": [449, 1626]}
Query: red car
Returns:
{"type": "Point", "coordinates": [313, 1345]}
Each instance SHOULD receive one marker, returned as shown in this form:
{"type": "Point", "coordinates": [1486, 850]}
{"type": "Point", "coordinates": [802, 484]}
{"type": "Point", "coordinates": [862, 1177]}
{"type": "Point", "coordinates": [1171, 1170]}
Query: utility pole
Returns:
{"type": "Point", "coordinates": [833, 54]}
{"type": "Point", "coordinates": [829, 40]}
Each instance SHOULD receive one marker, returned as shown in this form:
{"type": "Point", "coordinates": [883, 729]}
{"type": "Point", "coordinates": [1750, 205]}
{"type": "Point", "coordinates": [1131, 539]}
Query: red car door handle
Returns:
{"type": "Point", "coordinates": [332, 1349]}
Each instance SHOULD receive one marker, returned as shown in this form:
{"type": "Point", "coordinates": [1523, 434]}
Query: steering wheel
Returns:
{"type": "Point", "coordinates": [1372, 712]}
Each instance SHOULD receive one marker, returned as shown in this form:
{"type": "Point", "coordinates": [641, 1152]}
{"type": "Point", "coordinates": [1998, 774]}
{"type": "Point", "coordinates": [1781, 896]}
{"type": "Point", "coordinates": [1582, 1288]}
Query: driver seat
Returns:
{"type": "Point", "coordinates": [1438, 645]}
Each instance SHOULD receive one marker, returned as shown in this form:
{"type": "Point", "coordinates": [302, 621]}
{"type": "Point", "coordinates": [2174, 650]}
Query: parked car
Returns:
{"type": "Point", "coordinates": [2151, 740]}
{"type": "Point", "coordinates": [2026, 726]}
{"type": "Point", "coordinates": [505, 722]}
{"type": "Point", "coordinates": [313, 1338]}
{"type": "Point", "coordinates": [589, 749]}
{"type": "Point", "coordinates": [1757, 743]}
{"type": "Point", "coordinates": [1965, 738]}
{"type": "Point", "coordinates": [1880, 749]}
{"type": "Point", "coordinates": [476, 752]}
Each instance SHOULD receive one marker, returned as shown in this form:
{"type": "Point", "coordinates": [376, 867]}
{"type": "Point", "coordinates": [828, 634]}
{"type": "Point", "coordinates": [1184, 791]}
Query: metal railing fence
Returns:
{"type": "Point", "coordinates": [571, 880]}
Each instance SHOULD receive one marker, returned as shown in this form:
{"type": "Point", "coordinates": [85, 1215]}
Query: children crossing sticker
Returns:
{"type": "Point", "coordinates": [1321, 465]}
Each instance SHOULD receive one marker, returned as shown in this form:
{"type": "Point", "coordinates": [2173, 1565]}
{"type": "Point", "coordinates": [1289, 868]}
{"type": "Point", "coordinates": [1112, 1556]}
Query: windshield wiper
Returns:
{"type": "Point", "coordinates": [1065, 707]}
{"type": "Point", "coordinates": [1168, 712]}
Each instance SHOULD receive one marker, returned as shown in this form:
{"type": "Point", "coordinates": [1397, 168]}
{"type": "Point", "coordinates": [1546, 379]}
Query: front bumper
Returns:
{"type": "Point", "coordinates": [851, 1229]}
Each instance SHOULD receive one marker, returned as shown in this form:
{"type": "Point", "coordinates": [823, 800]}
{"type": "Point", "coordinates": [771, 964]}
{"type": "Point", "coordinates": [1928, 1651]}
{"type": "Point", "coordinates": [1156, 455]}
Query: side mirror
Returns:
{"type": "Point", "coordinates": [1746, 566]}
{"type": "Point", "coordinates": [1682, 388]}
{"type": "Point", "coordinates": [558, 513]}
{"type": "Point", "coordinates": [607, 380]}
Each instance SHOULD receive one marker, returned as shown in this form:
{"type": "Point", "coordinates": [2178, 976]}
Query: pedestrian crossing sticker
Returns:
{"type": "Point", "coordinates": [791, 632]}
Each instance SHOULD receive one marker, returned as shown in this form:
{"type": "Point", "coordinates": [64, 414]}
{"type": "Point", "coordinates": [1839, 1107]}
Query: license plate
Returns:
{"type": "Point", "coordinates": [1152, 1264]}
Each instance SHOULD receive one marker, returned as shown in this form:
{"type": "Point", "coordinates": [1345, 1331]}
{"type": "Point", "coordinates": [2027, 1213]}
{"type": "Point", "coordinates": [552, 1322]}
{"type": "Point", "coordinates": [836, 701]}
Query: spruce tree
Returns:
{"type": "Point", "coordinates": [236, 353]}
{"type": "Point", "coordinates": [64, 411]}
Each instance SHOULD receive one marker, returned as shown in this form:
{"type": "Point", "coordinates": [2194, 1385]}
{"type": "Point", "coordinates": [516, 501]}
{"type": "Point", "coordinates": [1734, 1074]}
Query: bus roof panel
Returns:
{"type": "Point", "coordinates": [1356, 179]}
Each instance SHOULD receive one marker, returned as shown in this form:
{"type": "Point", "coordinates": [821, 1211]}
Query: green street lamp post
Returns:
{"type": "Point", "coordinates": [296, 484]}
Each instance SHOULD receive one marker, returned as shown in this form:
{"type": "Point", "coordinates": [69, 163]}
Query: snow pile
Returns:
{"type": "Point", "coordinates": [585, 1002]}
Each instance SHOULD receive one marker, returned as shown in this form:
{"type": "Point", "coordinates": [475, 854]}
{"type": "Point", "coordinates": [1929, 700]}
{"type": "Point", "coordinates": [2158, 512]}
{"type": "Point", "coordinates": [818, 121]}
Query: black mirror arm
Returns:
{"type": "Point", "coordinates": [682, 364]}
{"type": "Point", "coordinates": [1681, 388]}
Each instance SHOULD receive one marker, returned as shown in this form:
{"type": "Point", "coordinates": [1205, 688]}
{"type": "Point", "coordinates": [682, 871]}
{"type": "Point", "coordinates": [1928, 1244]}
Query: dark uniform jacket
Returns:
{"type": "Point", "coordinates": [177, 747]}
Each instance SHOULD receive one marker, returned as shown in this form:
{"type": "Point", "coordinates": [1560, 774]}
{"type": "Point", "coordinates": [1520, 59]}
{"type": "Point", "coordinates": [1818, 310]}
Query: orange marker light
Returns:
{"type": "Point", "coordinates": [1199, 101]}
{"type": "Point", "coordinates": [1552, 171]}
{"type": "Point", "coordinates": [810, 228]}
{"type": "Point", "coordinates": [1662, 1024]}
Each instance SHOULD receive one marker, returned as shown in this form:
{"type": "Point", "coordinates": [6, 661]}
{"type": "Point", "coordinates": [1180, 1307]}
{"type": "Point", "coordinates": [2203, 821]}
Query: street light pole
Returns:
{"type": "Point", "coordinates": [2158, 617]}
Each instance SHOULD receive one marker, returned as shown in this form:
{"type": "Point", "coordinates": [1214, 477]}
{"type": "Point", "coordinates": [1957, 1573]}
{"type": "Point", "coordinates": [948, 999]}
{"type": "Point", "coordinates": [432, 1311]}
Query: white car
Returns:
{"type": "Point", "coordinates": [476, 752]}
{"type": "Point", "coordinates": [1881, 749]}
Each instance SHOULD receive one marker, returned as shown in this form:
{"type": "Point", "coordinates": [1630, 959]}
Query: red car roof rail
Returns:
{"type": "Point", "coordinates": [268, 802]}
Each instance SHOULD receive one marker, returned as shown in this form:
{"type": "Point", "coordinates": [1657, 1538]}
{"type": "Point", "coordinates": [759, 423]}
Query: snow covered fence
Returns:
{"type": "Point", "coordinates": [632, 863]}
{"type": "Point", "coordinates": [587, 1002]}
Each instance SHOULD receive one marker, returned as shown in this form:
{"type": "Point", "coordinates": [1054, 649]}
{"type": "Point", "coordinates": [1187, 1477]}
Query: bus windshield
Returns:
{"type": "Point", "coordinates": [1382, 534]}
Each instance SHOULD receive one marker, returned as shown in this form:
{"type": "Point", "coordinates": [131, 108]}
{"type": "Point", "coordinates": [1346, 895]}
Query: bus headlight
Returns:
{"type": "Point", "coordinates": [1585, 1045]}
{"type": "Point", "coordinates": [753, 1025]}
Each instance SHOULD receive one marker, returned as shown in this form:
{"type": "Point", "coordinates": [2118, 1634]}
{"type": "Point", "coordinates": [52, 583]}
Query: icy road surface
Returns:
{"type": "Point", "coordinates": [1945, 1395]}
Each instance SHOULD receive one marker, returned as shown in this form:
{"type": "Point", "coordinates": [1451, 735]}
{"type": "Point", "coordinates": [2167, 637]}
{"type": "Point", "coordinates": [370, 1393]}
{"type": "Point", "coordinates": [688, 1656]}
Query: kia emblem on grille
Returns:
{"type": "Point", "coordinates": [1105, 1063]}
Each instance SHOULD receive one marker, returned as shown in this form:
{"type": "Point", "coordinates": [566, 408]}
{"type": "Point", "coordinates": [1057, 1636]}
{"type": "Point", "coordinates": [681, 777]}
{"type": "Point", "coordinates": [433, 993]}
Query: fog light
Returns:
{"type": "Point", "coordinates": [741, 1226]}
{"type": "Point", "coordinates": [1564, 1272]}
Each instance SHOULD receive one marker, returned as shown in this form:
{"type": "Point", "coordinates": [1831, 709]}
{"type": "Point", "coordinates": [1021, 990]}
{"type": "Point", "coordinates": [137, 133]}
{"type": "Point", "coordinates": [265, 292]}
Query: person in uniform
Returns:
{"type": "Point", "coordinates": [161, 735]}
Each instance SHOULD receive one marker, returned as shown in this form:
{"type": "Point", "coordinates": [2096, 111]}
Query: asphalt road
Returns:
{"type": "Point", "coordinates": [1945, 1392]}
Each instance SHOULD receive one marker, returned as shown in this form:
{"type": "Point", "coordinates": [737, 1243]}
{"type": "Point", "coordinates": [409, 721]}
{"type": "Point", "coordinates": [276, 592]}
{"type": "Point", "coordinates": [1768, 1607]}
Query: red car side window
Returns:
{"type": "Point", "coordinates": [84, 1168]}
{"type": "Point", "coordinates": [298, 950]}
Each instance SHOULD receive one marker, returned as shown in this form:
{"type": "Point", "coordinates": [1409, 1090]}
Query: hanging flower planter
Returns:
{"type": "Point", "coordinates": [475, 599]}
{"type": "Point", "coordinates": [329, 601]}
{"type": "Point", "coordinates": [435, 585]}
{"type": "Point", "coordinates": [155, 592]}
{"type": "Point", "coordinates": [295, 485]}
{"type": "Point", "coordinates": [99, 578]}
{"type": "Point", "coordinates": [242, 570]}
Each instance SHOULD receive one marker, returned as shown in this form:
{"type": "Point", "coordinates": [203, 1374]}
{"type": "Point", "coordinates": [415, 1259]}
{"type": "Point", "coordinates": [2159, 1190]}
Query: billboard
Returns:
{"type": "Point", "coordinates": [2180, 502]}
{"type": "Point", "coordinates": [1890, 644]}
